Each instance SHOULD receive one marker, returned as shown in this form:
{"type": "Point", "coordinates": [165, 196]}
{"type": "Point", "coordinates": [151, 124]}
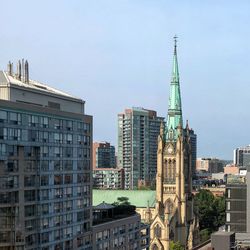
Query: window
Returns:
{"type": "Point", "coordinates": [29, 195]}
{"type": "Point", "coordinates": [29, 210]}
{"type": "Point", "coordinates": [69, 138]}
{"type": "Point", "coordinates": [45, 237]}
{"type": "Point", "coordinates": [69, 125]}
{"type": "Point", "coordinates": [2, 149]}
{"type": "Point", "coordinates": [15, 118]}
{"type": "Point", "coordinates": [228, 217]}
{"type": "Point", "coordinates": [12, 166]}
{"type": "Point", "coordinates": [29, 181]}
{"type": "Point", "coordinates": [68, 179]}
{"type": "Point", "coordinates": [44, 180]}
{"type": "Point", "coordinates": [57, 165]}
{"type": "Point", "coordinates": [3, 133]}
{"type": "Point", "coordinates": [57, 152]}
{"type": "Point", "coordinates": [228, 205]}
{"type": "Point", "coordinates": [57, 124]}
{"type": "Point", "coordinates": [30, 225]}
{"type": "Point", "coordinates": [229, 193]}
{"type": "Point", "coordinates": [45, 122]}
{"type": "Point", "coordinates": [45, 151]}
{"type": "Point", "coordinates": [68, 191]}
{"type": "Point", "coordinates": [3, 116]}
{"type": "Point", "coordinates": [44, 136]}
{"type": "Point", "coordinates": [44, 194]}
{"type": "Point", "coordinates": [14, 134]}
{"type": "Point", "coordinates": [68, 152]}
{"type": "Point", "coordinates": [68, 165]}
{"type": "Point", "coordinates": [57, 137]}
{"type": "Point", "coordinates": [58, 192]}
{"type": "Point", "coordinates": [44, 223]}
{"type": "Point", "coordinates": [58, 207]}
{"type": "Point", "coordinates": [45, 165]}
{"type": "Point", "coordinates": [33, 120]}
{"type": "Point", "coordinates": [45, 209]}
{"type": "Point", "coordinates": [58, 180]}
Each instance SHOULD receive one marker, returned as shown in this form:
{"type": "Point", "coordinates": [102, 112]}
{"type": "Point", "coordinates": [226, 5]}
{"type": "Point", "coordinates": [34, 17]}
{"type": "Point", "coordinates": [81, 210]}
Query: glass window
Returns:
{"type": "Point", "coordinates": [44, 180]}
{"type": "Point", "coordinates": [57, 165]}
{"type": "Point", "coordinates": [29, 210]}
{"type": "Point", "coordinates": [2, 149]}
{"type": "Point", "coordinates": [29, 181]}
{"type": "Point", "coordinates": [15, 118]}
{"type": "Point", "coordinates": [3, 133]}
{"type": "Point", "coordinates": [29, 195]}
{"type": "Point", "coordinates": [3, 116]}
{"type": "Point", "coordinates": [45, 122]}
{"type": "Point", "coordinates": [58, 180]}
{"type": "Point", "coordinates": [33, 120]}
{"type": "Point", "coordinates": [68, 179]}
{"type": "Point", "coordinates": [57, 152]}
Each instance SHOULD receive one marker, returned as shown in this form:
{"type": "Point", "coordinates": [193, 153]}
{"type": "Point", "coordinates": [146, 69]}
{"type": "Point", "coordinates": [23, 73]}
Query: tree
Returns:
{"type": "Point", "coordinates": [122, 201]}
{"type": "Point", "coordinates": [210, 210]}
{"type": "Point", "coordinates": [176, 246]}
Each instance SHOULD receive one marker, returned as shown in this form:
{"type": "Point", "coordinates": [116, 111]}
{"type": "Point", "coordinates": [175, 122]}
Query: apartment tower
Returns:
{"type": "Point", "coordinates": [45, 165]}
{"type": "Point", "coordinates": [138, 129]}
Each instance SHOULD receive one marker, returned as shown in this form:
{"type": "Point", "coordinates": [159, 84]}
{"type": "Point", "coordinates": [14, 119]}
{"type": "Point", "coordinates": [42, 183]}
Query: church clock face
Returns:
{"type": "Point", "coordinates": [170, 150]}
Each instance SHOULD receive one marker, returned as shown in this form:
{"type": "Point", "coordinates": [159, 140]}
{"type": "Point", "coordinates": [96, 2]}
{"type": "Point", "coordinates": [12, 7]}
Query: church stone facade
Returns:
{"type": "Point", "coordinates": [173, 218]}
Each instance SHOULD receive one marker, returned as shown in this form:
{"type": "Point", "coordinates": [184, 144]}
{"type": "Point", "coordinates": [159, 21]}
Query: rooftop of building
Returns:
{"type": "Point", "coordinates": [236, 179]}
{"type": "Point", "coordinates": [138, 198]}
{"type": "Point", "coordinates": [104, 212]}
{"type": "Point", "coordinates": [21, 79]}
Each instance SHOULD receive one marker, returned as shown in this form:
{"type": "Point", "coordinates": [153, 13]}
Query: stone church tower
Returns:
{"type": "Point", "coordinates": [174, 219]}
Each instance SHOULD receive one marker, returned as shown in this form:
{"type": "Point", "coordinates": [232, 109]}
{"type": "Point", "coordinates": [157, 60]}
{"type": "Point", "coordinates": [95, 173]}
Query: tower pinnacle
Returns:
{"type": "Point", "coordinates": [174, 117]}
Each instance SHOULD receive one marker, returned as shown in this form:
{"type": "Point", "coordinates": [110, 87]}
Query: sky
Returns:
{"type": "Point", "coordinates": [115, 54]}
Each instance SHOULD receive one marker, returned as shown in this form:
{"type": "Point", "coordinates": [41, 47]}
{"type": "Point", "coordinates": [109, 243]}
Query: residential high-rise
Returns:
{"type": "Point", "coordinates": [138, 130]}
{"type": "Point", "coordinates": [45, 166]}
{"type": "Point", "coordinates": [174, 218]}
{"type": "Point", "coordinates": [242, 156]}
{"type": "Point", "coordinates": [103, 155]}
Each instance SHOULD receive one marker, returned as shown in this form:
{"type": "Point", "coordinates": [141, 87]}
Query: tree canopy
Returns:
{"type": "Point", "coordinates": [210, 210]}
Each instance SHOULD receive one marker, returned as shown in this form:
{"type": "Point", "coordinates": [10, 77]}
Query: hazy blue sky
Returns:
{"type": "Point", "coordinates": [117, 54]}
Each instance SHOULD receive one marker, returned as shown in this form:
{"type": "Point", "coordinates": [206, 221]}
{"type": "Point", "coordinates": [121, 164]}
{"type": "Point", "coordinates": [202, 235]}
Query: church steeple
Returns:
{"type": "Point", "coordinates": [174, 118]}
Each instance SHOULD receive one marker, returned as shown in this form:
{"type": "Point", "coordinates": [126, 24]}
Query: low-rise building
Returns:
{"type": "Point", "coordinates": [211, 165]}
{"type": "Point", "coordinates": [236, 203]}
{"type": "Point", "coordinates": [231, 169]}
{"type": "Point", "coordinates": [108, 178]}
{"type": "Point", "coordinates": [118, 229]}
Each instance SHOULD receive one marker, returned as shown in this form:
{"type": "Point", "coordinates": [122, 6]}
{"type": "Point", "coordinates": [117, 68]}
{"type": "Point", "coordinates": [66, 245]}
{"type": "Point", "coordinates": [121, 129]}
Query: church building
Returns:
{"type": "Point", "coordinates": [173, 216]}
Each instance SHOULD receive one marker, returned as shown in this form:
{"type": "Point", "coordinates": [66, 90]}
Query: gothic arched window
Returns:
{"type": "Point", "coordinates": [157, 231]}
{"type": "Point", "coordinates": [154, 247]}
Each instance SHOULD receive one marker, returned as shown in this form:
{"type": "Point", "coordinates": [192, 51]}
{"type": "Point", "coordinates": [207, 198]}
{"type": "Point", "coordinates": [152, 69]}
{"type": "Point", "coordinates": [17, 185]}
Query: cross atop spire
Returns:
{"type": "Point", "coordinates": [175, 44]}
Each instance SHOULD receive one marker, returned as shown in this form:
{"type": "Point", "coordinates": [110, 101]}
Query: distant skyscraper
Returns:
{"type": "Point", "coordinates": [138, 130]}
{"type": "Point", "coordinates": [103, 155]}
{"type": "Point", "coordinates": [242, 156]}
{"type": "Point", "coordinates": [45, 166]}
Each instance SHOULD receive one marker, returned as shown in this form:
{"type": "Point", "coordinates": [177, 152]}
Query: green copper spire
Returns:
{"type": "Point", "coordinates": [174, 118]}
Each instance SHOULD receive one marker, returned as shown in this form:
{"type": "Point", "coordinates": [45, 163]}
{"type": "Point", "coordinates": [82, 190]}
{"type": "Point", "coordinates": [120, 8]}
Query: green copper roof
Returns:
{"type": "Point", "coordinates": [174, 117]}
{"type": "Point", "coordinates": [138, 198]}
